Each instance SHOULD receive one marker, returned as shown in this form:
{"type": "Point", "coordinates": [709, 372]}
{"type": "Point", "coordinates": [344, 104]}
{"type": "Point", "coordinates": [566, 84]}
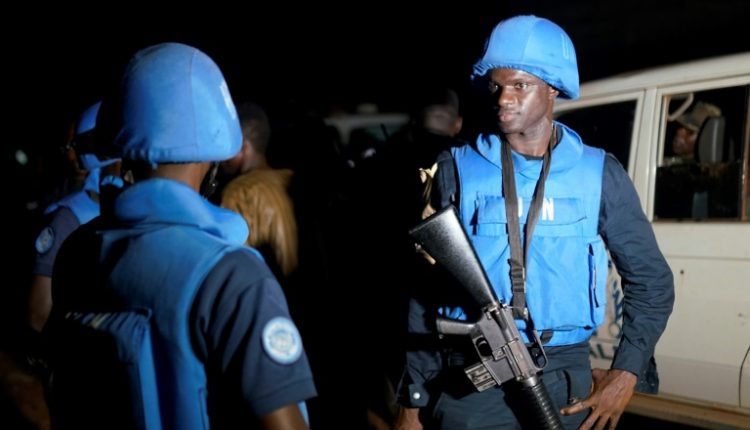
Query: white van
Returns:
{"type": "Point", "coordinates": [698, 200]}
{"type": "Point", "coordinates": [378, 126]}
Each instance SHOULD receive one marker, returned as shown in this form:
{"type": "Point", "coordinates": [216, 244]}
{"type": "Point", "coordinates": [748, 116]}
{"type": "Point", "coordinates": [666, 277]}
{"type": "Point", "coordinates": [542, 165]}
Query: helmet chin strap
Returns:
{"type": "Point", "coordinates": [209, 184]}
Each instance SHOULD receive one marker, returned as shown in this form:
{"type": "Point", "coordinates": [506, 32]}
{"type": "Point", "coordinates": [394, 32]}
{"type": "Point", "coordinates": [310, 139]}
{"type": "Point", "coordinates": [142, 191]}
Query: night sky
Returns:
{"type": "Point", "coordinates": [325, 57]}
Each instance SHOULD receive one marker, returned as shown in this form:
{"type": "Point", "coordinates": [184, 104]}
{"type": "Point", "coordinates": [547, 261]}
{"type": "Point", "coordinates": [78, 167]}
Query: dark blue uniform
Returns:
{"type": "Point", "coordinates": [63, 218]}
{"type": "Point", "coordinates": [62, 222]}
{"type": "Point", "coordinates": [434, 368]}
{"type": "Point", "coordinates": [235, 327]}
{"type": "Point", "coordinates": [228, 316]}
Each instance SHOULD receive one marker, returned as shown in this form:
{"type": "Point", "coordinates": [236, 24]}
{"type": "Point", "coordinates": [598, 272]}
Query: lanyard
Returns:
{"type": "Point", "coordinates": [518, 253]}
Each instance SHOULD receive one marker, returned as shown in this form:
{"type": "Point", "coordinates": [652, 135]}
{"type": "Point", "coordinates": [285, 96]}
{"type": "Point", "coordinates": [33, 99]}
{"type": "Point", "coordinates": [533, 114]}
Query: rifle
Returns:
{"type": "Point", "coordinates": [503, 355]}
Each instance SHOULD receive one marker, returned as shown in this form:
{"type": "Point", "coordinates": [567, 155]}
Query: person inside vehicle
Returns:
{"type": "Point", "coordinates": [689, 124]}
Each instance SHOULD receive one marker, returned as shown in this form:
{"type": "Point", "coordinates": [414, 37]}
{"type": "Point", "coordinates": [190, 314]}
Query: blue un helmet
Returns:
{"type": "Point", "coordinates": [84, 141]}
{"type": "Point", "coordinates": [173, 105]}
{"type": "Point", "coordinates": [534, 45]}
{"type": "Point", "coordinates": [87, 120]}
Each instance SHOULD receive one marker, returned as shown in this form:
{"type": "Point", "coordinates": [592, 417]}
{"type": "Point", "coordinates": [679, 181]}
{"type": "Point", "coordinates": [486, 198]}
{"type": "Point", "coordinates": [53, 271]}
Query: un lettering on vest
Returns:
{"type": "Point", "coordinates": [548, 209]}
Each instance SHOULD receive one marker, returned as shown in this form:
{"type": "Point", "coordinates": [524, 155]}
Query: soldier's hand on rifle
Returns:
{"type": "Point", "coordinates": [427, 176]}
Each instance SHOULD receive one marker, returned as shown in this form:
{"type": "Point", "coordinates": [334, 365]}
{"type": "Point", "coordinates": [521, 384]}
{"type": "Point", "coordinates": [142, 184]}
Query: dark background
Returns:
{"type": "Point", "coordinates": [57, 61]}
{"type": "Point", "coordinates": [324, 56]}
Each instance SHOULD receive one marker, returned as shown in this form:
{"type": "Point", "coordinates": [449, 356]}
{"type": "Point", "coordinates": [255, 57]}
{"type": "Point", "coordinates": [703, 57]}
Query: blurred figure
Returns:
{"type": "Point", "coordinates": [438, 113]}
{"type": "Point", "coordinates": [63, 217]}
{"type": "Point", "coordinates": [393, 177]}
{"type": "Point", "coordinates": [434, 127]}
{"type": "Point", "coordinates": [683, 142]}
{"type": "Point", "coordinates": [260, 194]}
{"type": "Point", "coordinates": [24, 385]}
{"type": "Point", "coordinates": [162, 318]}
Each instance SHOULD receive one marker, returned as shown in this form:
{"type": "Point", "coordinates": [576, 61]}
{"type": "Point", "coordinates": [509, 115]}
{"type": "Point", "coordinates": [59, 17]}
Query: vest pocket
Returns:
{"type": "Point", "coordinates": [104, 370]}
{"type": "Point", "coordinates": [558, 217]}
{"type": "Point", "coordinates": [489, 218]}
{"type": "Point", "coordinates": [597, 280]}
{"type": "Point", "coordinates": [592, 272]}
{"type": "Point", "coordinates": [567, 268]}
{"type": "Point", "coordinates": [558, 290]}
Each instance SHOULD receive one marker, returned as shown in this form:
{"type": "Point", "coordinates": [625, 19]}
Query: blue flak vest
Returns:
{"type": "Point", "coordinates": [156, 263]}
{"type": "Point", "coordinates": [566, 271]}
{"type": "Point", "coordinates": [80, 203]}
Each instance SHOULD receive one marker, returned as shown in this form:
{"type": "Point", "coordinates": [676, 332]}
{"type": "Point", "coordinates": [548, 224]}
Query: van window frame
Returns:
{"type": "Point", "coordinates": [663, 96]}
{"type": "Point", "coordinates": [629, 96]}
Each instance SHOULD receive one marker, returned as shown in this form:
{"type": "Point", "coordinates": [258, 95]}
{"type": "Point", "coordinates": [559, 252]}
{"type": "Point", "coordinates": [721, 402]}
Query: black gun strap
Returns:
{"type": "Point", "coordinates": [518, 253]}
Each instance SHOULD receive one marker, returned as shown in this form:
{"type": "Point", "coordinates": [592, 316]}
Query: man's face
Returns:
{"type": "Point", "coordinates": [683, 143]}
{"type": "Point", "coordinates": [523, 101]}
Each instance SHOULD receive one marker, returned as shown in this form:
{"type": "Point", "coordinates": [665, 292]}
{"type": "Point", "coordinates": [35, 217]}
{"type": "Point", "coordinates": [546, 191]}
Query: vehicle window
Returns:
{"type": "Point", "coordinates": [705, 144]}
{"type": "Point", "coordinates": [376, 134]}
{"type": "Point", "coordinates": [608, 126]}
{"type": "Point", "coordinates": [361, 136]}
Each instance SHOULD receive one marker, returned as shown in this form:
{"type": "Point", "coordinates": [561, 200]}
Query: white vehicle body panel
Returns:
{"type": "Point", "coordinates": [702, 356]}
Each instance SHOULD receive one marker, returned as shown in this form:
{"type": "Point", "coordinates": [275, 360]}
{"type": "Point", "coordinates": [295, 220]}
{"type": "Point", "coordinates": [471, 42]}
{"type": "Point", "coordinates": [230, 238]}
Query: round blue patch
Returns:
{"type": "Point", "coordinates": [45, 240]}
{"type": "Point", "coordinates": [282, 341]}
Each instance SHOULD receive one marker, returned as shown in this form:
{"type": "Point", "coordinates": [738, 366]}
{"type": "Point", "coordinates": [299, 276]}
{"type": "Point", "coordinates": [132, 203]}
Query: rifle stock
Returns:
{"type": "Point", "coordinates": [443, 237]}
{"type": "Point", "coordinates": [502, 353]}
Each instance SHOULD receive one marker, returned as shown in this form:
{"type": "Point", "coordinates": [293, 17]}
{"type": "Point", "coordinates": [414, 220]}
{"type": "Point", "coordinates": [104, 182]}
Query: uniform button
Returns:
{"type": "Point", "coordinates": [416, 396]}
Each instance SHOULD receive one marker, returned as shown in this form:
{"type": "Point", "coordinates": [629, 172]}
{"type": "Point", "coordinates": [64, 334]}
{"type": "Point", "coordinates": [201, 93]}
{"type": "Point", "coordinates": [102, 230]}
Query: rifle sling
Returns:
{"type": "Point", "coordinates": [518, 252]}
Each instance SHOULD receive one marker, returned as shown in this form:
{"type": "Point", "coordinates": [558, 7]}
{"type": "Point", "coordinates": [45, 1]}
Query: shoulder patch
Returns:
{"type": "Point", "coordinates": [45, 240]}
{"type": "Point", "coordinates": [281, 340]}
